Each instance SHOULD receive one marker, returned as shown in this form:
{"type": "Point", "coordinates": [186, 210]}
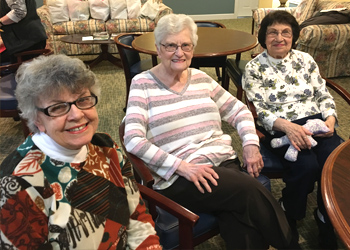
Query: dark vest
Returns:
{"type": "Point", "coordinates": [24, 34]}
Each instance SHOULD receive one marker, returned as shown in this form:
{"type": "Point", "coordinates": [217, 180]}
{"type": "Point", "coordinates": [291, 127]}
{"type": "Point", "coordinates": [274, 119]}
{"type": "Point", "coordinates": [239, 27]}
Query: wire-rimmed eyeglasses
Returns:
{"type": "Point", "coordinates": [63, 108]}
{"type": "Point", "coordinates": [172, 47]}
{"type": "Point", "coordinates": [274, 33]}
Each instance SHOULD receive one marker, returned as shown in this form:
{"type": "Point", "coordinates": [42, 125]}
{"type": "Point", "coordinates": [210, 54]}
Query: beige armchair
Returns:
{"type": "Point", "coordinates": [329, 45]}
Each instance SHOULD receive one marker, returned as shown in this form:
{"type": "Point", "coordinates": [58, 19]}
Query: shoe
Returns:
{"type": "Point", "coordinates": [326, 236]}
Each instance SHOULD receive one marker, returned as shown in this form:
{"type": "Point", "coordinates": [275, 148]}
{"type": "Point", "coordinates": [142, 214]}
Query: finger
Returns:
{"type": "Point", "coordinates": [204, 182]}
{"type": "Point", "coordinates": [212, 173]}
{"type": "Point", "coordinates": [199, 187]}
{"type": "Point", "coordinates": [295, 144]}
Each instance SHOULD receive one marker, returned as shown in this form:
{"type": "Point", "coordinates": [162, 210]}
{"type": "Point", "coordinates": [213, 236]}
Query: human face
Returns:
{"type": "Point", "coordinates": [72, 130]}
{"type": "Point", "coordinates": [178, 60]}
{"type": "Point", "coordinates": [278, 46]}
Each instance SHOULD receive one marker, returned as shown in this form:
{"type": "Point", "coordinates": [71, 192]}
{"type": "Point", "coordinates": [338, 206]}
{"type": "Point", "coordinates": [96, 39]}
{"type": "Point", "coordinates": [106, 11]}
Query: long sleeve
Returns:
{"type": "Point", "coordinates": [18, 10]}
{"type": "Point", "coordinates": [93, 204]}
{"type": "Point", "coordinates": [164, 127]}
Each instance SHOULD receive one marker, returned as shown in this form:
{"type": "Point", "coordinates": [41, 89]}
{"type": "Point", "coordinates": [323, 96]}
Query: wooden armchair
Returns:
{"type": "Point", "coordinates": [273, 167]}
{"type": "Point", "coordinates": [177, 227]}
{"type": "Point", "coordinates": [8, 101]}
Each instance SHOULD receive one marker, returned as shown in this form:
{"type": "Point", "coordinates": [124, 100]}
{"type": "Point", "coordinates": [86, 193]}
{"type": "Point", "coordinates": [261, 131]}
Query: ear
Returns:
{"type": "Point", "coordinates": [40, 125]}
{"type": "Point", "coordinates": [158, 51]}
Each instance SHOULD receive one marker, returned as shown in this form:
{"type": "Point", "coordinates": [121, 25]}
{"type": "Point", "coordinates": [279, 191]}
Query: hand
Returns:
{"type": "Point", "coordinates": [330, 123]}
{"type": "Point", "coordinates": [252, 160]}
{"type": "Point", "coordinates": [198, 174]}
{"type": "Point", "coordinates": [297, 135]}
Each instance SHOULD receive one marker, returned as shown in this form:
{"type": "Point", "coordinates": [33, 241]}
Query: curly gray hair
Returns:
{"type": "Point", "coordinates": [172, 24]}
{"type": "Point", "coordinates": [46, 76]}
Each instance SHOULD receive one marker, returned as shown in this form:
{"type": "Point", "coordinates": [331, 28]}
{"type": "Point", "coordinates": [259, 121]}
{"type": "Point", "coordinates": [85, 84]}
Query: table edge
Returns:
{"type": "Point", "coordinates": [333, 210]}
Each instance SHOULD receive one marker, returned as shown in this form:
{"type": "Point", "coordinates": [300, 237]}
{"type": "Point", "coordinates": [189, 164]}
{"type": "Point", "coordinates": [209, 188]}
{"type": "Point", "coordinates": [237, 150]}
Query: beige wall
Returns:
{"type": "Point", "coordinates": [269, 3]}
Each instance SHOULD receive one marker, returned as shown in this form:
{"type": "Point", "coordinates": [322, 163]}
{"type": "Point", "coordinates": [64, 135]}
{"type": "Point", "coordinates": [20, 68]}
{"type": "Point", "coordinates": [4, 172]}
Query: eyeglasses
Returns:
{"type": "Point", "coordinates": [172, 47]}
{"type": "Point", "coordinates": [63, 108]}
{"type": "Point", "coordinates": [284, 33]}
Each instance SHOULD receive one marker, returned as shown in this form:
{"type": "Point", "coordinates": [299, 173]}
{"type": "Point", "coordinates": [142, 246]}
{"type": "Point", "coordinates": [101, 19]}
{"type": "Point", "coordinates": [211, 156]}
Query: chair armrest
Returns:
{"type": "Point", "coordinates": [183, 214]}
{"type": "Point", "coordinates": [338, 89]}
{"type": "Point", "coordinates": [252, 109]}
{"type": "Point", "coordinates": [38, 52]}
{"type": "Point", "coordinates": [142, 174]}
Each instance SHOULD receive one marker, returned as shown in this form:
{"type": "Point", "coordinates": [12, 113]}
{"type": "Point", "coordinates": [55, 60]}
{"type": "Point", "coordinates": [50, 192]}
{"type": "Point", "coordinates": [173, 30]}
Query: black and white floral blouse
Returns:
{"type": "Point", "coordinates": [290, 88]}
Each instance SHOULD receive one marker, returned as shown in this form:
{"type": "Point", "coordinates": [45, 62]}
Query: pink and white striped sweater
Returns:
{"type": "Point", "coordinates": [164, 127]}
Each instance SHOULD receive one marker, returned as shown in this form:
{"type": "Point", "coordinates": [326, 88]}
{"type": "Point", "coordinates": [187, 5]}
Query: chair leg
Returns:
{"type": "Point", "coordinates": [217, 69]}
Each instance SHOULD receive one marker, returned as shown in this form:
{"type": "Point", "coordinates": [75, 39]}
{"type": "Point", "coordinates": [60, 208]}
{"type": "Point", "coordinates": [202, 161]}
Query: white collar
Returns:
{"type": "Point", "coordinates": [55, 151]}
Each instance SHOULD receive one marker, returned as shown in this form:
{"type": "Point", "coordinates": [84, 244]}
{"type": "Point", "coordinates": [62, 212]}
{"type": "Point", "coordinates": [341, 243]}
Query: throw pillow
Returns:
{"type": "Point", "coordinates": [58, 10]}
{"type": "Point", "coordinates": [305, 10]}
{"type": "Point", "coordinates": [134, 8]}
{"type": "Point", "coordinates": [78, 10]}
{"type": "Point", "coordinates": [150, 9]}
{"type": "Point", "coordinates": [99, 9]}
{"type": "Point", "coordinates": [118, 9]}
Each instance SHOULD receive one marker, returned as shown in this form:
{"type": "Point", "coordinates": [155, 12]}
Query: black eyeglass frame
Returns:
{"type": "Point", "coordinates": [46, 110]}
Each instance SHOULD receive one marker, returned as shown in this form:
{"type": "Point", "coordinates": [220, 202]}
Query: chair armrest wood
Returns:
{"type": "Point", "coordinates": [338, 89]}
{"type": "Point", "coordinates": [252, 109]}
{"type": "Point", "coordinates": [38, 52]}
{"type": "Point", "coordinates": [183, 214]}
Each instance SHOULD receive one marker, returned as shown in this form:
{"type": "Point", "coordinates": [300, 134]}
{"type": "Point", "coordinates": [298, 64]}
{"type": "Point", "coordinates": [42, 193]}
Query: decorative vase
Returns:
{"type": "Point", "coordinates": [283, 3]}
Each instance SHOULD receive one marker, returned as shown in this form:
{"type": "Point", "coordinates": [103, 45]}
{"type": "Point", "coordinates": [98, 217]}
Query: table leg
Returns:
{"type": "Point", "coordinates": [104, 55]}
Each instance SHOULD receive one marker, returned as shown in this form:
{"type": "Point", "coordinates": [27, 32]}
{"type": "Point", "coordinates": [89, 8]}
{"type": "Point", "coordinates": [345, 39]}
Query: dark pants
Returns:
{"type": "Point", "coordinates": [250, 217]}
{"type": "Point", "coordinates": [300, 176]}
{"type": "Point", "coordinates": [6, 57]}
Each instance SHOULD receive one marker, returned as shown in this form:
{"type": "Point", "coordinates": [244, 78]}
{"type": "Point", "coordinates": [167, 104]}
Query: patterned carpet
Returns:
{"type": "Point", "coordinates": [110, 109]}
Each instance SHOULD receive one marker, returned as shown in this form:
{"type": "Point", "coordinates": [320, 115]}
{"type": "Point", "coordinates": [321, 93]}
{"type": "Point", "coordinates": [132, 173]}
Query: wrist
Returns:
{"type": "Point", "coordinates": [1, 23]}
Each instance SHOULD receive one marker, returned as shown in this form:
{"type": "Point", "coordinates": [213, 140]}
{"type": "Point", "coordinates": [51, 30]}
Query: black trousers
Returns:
{"type": "Point", "coordinates": [300, 176]}
{"type": "Point", "coordinates": [6, 57]}
{"type": "Point", "coordinates": [249, 216]}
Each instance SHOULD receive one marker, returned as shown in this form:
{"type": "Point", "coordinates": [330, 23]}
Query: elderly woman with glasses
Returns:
{"type": "Point", "coordinates": [287, 90]}
{"type": "Point", "coordinates": [66, 186]}
{"type": "Point", "coordinates": [173, 123]}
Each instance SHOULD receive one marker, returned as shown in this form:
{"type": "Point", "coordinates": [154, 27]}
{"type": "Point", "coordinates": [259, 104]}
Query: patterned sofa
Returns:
{"type": "Point", "coordinates": [328, 44]}
{"type": "Point", "coordinates": [56, 31]}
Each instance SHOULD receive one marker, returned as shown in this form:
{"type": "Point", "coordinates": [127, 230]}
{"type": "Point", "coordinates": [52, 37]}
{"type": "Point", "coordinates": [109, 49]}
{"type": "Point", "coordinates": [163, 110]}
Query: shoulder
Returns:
{"type": "Point", "coordinates": [102, 140]}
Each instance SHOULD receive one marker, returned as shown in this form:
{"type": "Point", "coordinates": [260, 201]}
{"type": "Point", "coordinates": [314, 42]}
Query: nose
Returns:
{"type": "Point", "coordinates": [75, 113]}
{"type": "Point", "coordinates": [179, 51]}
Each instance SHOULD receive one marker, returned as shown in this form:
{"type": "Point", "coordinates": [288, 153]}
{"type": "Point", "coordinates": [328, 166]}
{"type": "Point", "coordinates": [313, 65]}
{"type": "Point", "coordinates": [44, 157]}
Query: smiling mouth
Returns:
{"type": "Point", "coordinates": [78, 128]}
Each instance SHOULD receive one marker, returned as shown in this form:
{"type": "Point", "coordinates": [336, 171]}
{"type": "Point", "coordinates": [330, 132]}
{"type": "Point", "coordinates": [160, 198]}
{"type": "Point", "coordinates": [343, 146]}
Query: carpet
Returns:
{"type": "Point", "coordinates": [110, 109]}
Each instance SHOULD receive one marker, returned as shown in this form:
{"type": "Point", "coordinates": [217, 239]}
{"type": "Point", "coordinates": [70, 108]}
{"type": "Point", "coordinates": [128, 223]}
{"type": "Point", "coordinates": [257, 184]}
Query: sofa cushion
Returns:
{"type": "Point", "coordinates": [78, 10]}
{"type": "Point", "coordinates": [118, 9]}
{"type": "Point", "coordinates": [305, 10]}
{"type": "Point", "coordinates": [129, 25]}
{"type": "Point", "coordinates": [79, 27]}
{"type": "Point", "coordinates": [327, 5]}
{"type": "Point", "coordinates": [99, 9]}
{"type": "Point", "coordinates": [58, 10]}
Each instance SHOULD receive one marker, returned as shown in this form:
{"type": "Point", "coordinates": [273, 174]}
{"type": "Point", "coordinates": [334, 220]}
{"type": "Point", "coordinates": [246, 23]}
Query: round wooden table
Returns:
{"type": "Point", "coordinates": [335, 185]}
{"type": "Point", "coordinates": [215, 43]}
{"type": "Point", "coordinates": [104, 55]}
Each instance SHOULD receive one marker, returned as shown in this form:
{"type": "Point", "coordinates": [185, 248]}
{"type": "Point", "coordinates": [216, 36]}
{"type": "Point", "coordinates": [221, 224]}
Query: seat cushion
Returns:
{"type": "Point", "coordinates": [167, 227]}
{"type": "Point", "coordinates": [8, 99]}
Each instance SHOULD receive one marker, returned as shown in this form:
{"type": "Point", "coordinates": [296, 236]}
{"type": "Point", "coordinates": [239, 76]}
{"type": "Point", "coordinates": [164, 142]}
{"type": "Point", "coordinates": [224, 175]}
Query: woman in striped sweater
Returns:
{"type": "Point", "coordinates": [173, 123]}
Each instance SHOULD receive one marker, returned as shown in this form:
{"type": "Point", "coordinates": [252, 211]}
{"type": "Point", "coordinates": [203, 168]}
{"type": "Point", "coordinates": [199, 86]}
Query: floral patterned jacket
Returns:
{"type": "Point", "coordinates": [290, 88]}
{"type": "Point", "coordinates": [95, 204]}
